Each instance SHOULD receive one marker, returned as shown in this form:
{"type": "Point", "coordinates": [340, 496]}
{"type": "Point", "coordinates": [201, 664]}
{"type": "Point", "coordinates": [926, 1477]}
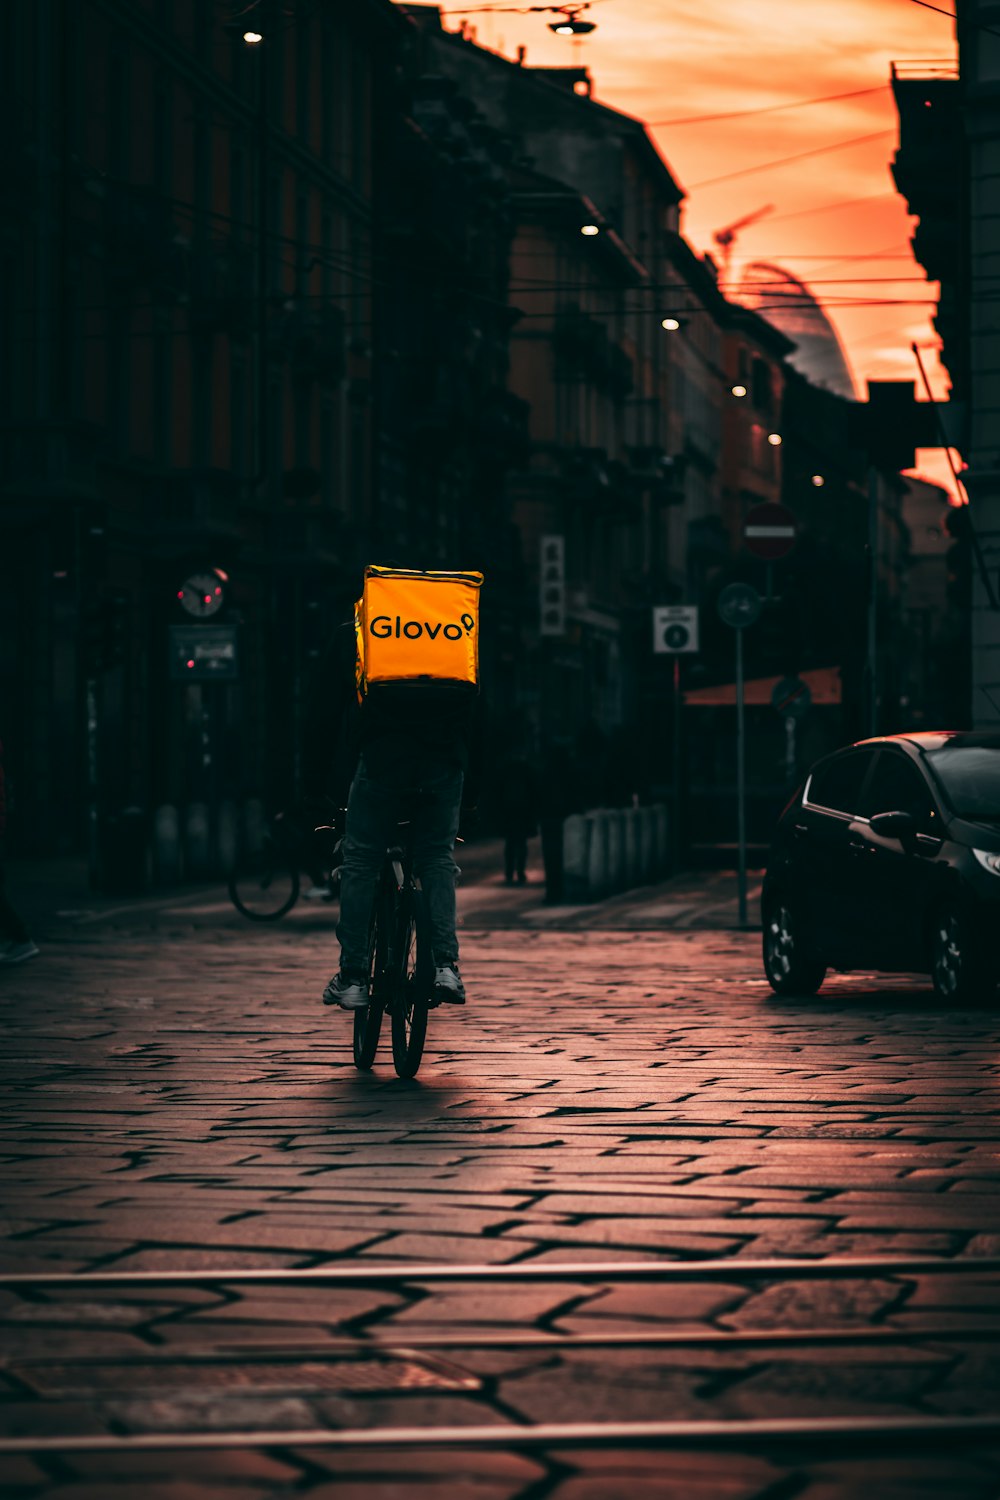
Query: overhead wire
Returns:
{"type": "Point", "coordinates": [328, 258]}
{"type": "Point", "coordinates": [521, 287]}
{"type": "Point", "coordinates": [782, 161]}
{"type": "Point", "coordinates": [823, 208]}
{"type": "Point", "coordinates": [766, 109]}
{"type": "Point", "coordinates": [979, 25]}
{"type": "Point", "coordinates": [520, 10]}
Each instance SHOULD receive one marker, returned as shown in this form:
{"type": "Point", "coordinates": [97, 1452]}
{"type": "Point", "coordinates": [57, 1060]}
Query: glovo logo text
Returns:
{"type": "Point", "coordinates": [383, 627]}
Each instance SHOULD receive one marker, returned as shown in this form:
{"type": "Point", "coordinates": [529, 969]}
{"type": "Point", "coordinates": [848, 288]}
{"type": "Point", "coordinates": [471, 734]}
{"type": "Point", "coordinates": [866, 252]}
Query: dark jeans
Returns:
{"type": "Point", "coordinates": [431, 796]}
{"type": "Point", "coordinates": [12, 928]}
{"type": "Point", "coordinates": [515, 854]}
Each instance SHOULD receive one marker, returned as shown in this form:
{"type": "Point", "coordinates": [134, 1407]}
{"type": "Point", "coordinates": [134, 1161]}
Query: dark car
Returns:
{"type": "Point", "coordinates": [889, 858]}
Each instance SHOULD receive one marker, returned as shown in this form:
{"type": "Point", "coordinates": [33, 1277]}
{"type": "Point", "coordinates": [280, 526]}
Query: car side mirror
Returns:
{"type": "Point", "coordinates": [895, 825]}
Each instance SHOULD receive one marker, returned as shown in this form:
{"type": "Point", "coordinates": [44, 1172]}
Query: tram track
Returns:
{"type": "Point", "coordinates": [820, 1434]}
{"type": "Point", "coordinates": [720, 1269]}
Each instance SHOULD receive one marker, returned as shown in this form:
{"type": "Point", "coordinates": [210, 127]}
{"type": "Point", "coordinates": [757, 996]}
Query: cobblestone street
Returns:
{"type": "Point", "coordinates": [621, 1087]}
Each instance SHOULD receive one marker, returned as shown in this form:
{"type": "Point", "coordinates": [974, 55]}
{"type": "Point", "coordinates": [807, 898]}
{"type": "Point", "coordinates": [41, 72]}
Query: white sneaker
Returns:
{"type": "Point", "coordinates": [16, 953]}
{"type": "Point", "coordinates": [349, 991]}
{"type": "Point", "coordinates": [448, 985]}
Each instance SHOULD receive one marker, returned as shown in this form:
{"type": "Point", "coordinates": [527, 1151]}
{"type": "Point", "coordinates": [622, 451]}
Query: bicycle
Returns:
{"type": "Point", "coordinates": [400, 967]}
{"type": "Point", "coordinates": [265, 884]}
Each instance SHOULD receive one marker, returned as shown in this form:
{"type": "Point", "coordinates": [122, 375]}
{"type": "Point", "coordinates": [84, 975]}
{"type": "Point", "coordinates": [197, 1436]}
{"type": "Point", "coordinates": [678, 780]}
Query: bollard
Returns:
{"type": "Point", "coordinates": [616, 849]}
{"type": "Point", "coordinates": [227, 835]}
{"type": "Point", "coordinates": [647, 844]}
{"type": "Point", "coordinates": [597, 863]}
{"type": "Point", "coordinates": [197, 842]}
{"type": "Point", "coordinates": [578, 831]}
{"type": "Point", "coordinates": [166, 845]}
{"type": "Point", "coordinates": [633, 870]}
{"type": "Point", "coordinates": [662, 841]}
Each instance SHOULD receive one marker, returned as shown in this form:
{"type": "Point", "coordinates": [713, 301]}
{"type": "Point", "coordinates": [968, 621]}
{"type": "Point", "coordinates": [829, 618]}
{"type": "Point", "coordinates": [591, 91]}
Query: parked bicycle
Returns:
{"type": "Point", "coordinates": [401, 967]}
{"type": "Point", "coordinates": [265, 883]}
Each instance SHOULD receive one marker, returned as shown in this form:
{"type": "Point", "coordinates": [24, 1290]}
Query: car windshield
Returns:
{"type": "Point", "coordinates": [970, 776]}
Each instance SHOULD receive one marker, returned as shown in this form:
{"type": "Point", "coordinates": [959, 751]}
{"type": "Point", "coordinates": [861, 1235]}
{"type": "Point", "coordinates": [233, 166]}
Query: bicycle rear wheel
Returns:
{"type": "Point", "coordinates": [368, 1022]}
{"type": "Point", "coordinates": [262, 887]}
{"type": "Point", "coordinates": [411, 989]}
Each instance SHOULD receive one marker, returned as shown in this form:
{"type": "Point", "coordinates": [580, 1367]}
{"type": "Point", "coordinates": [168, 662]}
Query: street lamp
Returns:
{"type": "Point", "coordinates": [589, 229]}
{"type": "Point", "coordinates": [739, 390]}
{"type": "Point", "coordinates": [570, 26]}
{"type": "Point", "coordinates": [252, 38]}
{"type": "Point", "coordinates": [774, 438]}
{"type": "Point", "coordinates": [670, 324]}
{"type": "Point", "coordinates": [818, 481]}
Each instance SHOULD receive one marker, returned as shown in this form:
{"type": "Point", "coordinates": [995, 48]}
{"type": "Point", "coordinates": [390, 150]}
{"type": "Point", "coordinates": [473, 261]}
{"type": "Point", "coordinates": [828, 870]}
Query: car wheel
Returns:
{"type": "Point", "coordinates": [959, 967]}
{"type": "Point", "coordinates": [789, 969]}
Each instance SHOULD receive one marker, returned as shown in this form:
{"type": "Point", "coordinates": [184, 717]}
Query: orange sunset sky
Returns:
{"type": "Point", "coordinates": [837, 220]}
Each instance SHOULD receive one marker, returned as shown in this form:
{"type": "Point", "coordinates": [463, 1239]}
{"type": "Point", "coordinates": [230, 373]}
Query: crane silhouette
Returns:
{"type": "Point", "coordinates": [726, 238]}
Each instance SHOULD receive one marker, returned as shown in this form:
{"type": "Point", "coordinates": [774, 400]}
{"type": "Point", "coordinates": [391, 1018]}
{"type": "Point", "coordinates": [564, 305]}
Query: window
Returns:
{"type": "Point", "coordinates": [761, 389]}
{"type": "Point", "coordinates": [896, 786]}
{"type": "Point", "coordinates": [970, 775]}
{"type": "Point", "coordinates": [838, 783]}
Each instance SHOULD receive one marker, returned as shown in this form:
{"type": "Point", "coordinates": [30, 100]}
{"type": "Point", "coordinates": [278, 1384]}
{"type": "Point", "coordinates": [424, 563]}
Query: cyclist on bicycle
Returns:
{"type": "Point", "coordinates": [415, 755]}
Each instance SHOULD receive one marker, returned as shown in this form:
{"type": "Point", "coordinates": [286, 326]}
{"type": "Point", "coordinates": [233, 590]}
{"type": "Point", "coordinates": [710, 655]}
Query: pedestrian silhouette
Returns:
{"type": "Point", "coordinates": [517, 806]}
{"type": "Point", "coordinates": [15, 940]}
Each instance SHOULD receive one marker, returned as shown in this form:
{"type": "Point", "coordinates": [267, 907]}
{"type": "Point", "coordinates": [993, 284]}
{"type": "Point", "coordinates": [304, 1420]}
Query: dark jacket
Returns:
{"type": "Point", "coordinates": [394, 727]}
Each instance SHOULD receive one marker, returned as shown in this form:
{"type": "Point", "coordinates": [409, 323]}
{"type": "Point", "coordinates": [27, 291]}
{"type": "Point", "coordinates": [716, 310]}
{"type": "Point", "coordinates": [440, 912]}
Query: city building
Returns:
{"type": "Point", "coordinates": [946, 169]}
{"type": "Point", "coordinates": [616, 349]}
{"type": "Point", "coordinates": [187, 447]}
{"type": "Point", "coordinates": [448, 426]}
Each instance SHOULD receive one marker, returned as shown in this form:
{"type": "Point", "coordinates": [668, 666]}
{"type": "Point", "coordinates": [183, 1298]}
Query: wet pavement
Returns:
{"type": "Point", "coordinates": [622, 1087]}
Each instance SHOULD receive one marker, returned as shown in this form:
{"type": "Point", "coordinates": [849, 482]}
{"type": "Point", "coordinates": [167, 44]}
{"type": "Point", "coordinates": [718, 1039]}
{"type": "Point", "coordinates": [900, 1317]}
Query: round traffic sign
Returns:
{"type": "Point", "coordinates": [676, 637]}
{"type": "Point", "coordinates": [791, 697]}
{"type": "Point", "coordinates": [769, 531]}
{"type": "Point", "coordinates": [739, 605]}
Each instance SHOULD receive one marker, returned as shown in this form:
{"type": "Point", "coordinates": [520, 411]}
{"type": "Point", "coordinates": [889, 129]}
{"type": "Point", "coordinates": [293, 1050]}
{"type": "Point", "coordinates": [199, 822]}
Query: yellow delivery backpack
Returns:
{"type": "Point", "coordinates": [415, 627]}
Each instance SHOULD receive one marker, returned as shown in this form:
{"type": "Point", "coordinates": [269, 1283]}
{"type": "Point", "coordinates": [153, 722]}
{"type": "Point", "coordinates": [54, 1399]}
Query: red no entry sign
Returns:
{"type": "Point", "coordinates": [769, 531]}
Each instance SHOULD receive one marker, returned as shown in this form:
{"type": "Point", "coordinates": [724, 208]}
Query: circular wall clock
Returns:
{"type": "Point", "coordinates": [203, 594]}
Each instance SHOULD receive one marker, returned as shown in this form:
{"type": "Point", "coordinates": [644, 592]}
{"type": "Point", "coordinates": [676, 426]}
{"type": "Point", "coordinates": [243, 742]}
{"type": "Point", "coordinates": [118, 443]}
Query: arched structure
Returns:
{"type": "Point", "coordinates": [788, 303]}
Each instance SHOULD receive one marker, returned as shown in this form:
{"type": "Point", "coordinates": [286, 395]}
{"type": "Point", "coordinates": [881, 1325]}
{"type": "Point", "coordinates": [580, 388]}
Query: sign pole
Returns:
{"type": "Point", "coordinates": [676, 820]}
{"type": "Point", "coordinates": [741, 811]}
{"type": "Point", "coordinates": [93, 784]}
{"type": "Point", "coordinates": [872, 662]}
{"type": "Point", "coordinates": [739, 606]}
{"type": "Point", "coordinates": [675, 633]}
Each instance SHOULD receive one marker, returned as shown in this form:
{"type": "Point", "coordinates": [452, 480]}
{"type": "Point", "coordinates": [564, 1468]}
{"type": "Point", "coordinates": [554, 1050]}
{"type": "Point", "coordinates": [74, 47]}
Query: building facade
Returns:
{"type": "Point", "coordinates": [946, 169]}
{"type": "Point", "coordinates": [187, 396]}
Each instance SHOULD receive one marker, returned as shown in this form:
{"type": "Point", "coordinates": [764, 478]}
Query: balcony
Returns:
{"type": "Point", "coordinates": [585, 352]}
{"type": "Point", "coordinates": [222, 289]}
{"type": "Point", "coordinates": [313, 342]}
{"type": "Point", "coordinates": [49, 461]}
{"type": "Point", "coordinates": [144, 249]}
{"type": "Point", "coordinates": [928, 166]}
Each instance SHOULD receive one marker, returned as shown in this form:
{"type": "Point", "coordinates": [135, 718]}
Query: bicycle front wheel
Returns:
{"type": "Point", "coordinates": [262, 888]}
{"type": "Point", "coordinates": [411, 988]}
